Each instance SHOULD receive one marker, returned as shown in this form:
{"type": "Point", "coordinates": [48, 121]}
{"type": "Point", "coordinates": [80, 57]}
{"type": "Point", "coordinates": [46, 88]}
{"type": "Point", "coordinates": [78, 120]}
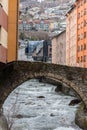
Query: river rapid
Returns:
{"type": "Point", "coordinates": [36, 106]}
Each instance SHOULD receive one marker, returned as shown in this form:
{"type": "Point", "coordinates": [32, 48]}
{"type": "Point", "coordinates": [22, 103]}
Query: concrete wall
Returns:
{"type": "Point", "coordinates": [54, 52]}
{"type": "Point", "coordinates": [71, 37]}
{"type": "Point", "coordinates": [59, 49]}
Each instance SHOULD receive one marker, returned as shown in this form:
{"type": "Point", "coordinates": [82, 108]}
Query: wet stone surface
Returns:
{"type": "Point", "coordinates": [36, 106]}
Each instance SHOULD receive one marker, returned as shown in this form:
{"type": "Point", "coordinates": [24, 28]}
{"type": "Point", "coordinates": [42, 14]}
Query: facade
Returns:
{"type": "Point", "coordinates": [3, 30]}
{"type": "Point", "coordinates": [59, 48]}
{"type": "Point", "coordinates": [71, 37]}
{"type": "Point", "coordinates": [81, 33]}
{"type": "Point", "coordinates": [8, 30]}
{"type": "Point", "coordinates": [12, 29]}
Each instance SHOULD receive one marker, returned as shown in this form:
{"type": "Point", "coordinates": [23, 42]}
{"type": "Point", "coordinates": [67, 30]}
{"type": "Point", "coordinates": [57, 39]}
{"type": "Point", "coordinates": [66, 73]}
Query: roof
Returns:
{"type": "Point", "coordinates": [20, 21]}
{"type": "Point", "coordinates": [59, 34]}
{"type": "Point", "coordinates": [70, 10]}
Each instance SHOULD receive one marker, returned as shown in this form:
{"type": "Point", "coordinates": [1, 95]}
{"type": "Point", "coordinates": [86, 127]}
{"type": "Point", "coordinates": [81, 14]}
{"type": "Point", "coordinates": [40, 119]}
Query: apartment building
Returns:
{"type": "Point", "coordinates": [13, 6]}
{"type": "Point", "coordinates": [3, 30]}
{"type": "Point", "coordinates": [59, 48]}
{"type": "Point", "coordinates": [71, 36]}
{"type": "Point", "coordinates": [81, 33]}
{"type": "Point", "coordinates": [8, 30]}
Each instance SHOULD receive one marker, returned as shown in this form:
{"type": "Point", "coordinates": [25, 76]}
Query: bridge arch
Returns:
{"type": "Point", "coordinates": [50, 76]}
{"type": "Point", "coordinates": [15, 73]}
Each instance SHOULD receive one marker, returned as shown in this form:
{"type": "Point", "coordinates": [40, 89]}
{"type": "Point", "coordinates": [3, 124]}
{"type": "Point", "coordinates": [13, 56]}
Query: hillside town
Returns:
{"type": "Point", "coordinates": [46, 16]}
{"type": "Point", "coordinates": [37, 18]}
{"type": "Point", "coordinates": [57, 29]}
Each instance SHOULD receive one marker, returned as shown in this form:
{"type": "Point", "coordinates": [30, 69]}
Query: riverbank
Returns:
{"type": "Point", "coordinates": [81, 117]}
{"type": "Point", "coordinates": [81, 114]}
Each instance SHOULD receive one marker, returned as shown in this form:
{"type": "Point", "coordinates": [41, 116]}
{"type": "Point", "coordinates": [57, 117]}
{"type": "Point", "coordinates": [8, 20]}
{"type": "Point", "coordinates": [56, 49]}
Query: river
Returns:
{"type": "Point", "coordinates": [36, 106]}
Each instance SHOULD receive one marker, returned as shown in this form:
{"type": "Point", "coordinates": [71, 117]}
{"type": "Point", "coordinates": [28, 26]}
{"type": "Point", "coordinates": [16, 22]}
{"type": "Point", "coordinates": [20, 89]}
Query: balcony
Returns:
{"type": "Point", "coordinates": [0, 2]}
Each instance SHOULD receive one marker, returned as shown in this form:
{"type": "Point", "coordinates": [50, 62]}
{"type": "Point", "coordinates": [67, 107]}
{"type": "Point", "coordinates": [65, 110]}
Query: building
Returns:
{"type": "Point", "coordinates": [59, 48]}
{"type": "Point", "coordinates": [71, 36]}
{"type": "Point", "coordinates": [13, 6]}
{"type": "Point", "coordinates": [81, 33]}
{"type": "Point", "coordinates": [3, 30]}
{"type": "Point", "coordinates": [43, 51]}
{"type": "Point", "coordinates": [8, 30]}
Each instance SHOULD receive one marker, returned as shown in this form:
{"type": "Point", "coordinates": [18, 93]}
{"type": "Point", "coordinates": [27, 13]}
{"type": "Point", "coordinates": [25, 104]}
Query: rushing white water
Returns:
{"type": "Point", "coordinates": [36, 106]}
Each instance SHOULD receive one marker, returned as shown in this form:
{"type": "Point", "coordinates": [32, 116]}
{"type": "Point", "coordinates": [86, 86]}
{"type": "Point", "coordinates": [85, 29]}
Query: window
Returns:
{"type": "Point", "coordinates": [81, 36]}
{"type": "Point", "coordinates": [78, 5]}
{"type": "Point", "coordinates": [78, 59]}
{"type": "Point", "coordinates": [84, 46]}
{"type": "Point", "coordinates": [78, 15]}
{"type": "Point", "coordinates": [81, 58]}
{"type": "Point", "coordinates": [84, 11]}
{"type": "Point", "coordinates": [84, 58]}
{"type": "Point", "coordinates": [81, 47]}
{"type": "Point", "coordinates": [78, 37]}
{"type": "Point", "coordinates": [84, 1]}
{"type": "Point", "coordinates": [50, 49]}
{"type": "Point", "coordinates": [84, 22]}
{"type": "Point", "coordinates": [78, 48]}
{"type": "Point", "coordinates": [84, 34]}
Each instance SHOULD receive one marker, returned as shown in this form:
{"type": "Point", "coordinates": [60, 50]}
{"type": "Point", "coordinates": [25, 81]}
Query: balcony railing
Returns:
{"type": "Point", "coordinates": [0, 1]}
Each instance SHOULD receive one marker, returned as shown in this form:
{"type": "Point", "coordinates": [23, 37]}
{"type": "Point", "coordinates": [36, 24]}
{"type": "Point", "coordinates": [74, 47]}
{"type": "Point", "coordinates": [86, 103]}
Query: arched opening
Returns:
{"type": "Point", "coordinates": [39, 107]}
{"type": "Point", "coordinates": [62, 83]}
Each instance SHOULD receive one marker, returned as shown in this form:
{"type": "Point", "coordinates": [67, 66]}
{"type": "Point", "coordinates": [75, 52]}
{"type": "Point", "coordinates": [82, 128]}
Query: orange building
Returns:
{"type": "Point", "coordinates": [8, 30]}
{"type": "Point", "coordinates": [12, 29]}
{"type": "Point", "coordinates": [82, 33]}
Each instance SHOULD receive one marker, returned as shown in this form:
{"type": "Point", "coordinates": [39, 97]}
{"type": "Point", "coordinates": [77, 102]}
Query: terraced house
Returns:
{"type": "Point", "coordinates": [76, 35]}
{"type": "Point", "coordinates": [8, 30]}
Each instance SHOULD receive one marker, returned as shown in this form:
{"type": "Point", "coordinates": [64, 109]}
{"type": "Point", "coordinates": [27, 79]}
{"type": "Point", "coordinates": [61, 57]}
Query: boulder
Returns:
{"type": "Point", "coordinates": [74, 102]}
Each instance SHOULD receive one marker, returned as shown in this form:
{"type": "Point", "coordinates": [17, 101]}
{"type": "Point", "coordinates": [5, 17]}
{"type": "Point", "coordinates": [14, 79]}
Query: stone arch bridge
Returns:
{"type": "Point", "coordinates": [15, 73]}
